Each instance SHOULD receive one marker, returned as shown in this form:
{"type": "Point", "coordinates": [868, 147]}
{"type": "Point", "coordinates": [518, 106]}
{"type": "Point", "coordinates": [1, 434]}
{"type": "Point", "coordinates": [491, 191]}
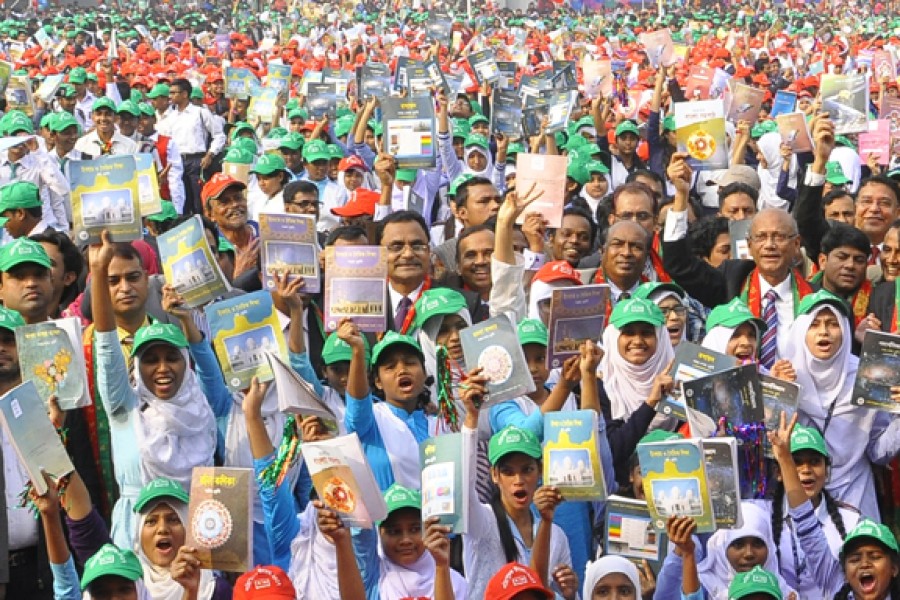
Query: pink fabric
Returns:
{"type": "Point", "coordinates": [148, 256]}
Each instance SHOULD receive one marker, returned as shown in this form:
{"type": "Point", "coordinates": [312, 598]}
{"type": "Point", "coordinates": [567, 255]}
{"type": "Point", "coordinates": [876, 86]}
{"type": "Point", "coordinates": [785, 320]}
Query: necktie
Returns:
{"type": "Point", "coordinates": [769, 342]}
{"type": "Point", "coordinates": [873, 258]}
{"type": "Point", "coordinates": [127, 344]}
{"type": "Point", "coordinates": [13, 167]}
{"type": "Point", "coordinates": [402, 311]}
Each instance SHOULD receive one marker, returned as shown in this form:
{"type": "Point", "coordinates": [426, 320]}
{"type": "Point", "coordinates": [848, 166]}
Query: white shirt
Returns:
{"type": "Point", "coordinates": [23, 532]}
{"type": "Point", "coordinates": [41, 227]}
{"type": "Point", "coordinates": [258, 203]}
{"type": "Point", "coordinates": [83, 111]}
{"type": "Point", "coordinates": [331, 195]}
{"type": "Point", "coordinates": [176, 170]}
{"type": "Point", "coordinates": [396, 297]}
{"type": "Point", "coordinates": [190, 129]}
{"type": "Point", "coordinates": [784, 306]}
{"type": "Point", "coordinates": [91, 145]}
{"type": "Point", "coordinates": [42, 169]}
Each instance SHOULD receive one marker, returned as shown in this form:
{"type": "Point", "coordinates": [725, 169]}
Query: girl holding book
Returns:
{"type": "Point", "coordinates": [733, 330]}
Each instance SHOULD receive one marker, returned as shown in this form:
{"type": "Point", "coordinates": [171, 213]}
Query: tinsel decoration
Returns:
{"type": "Point", "coordinates": [446, 406]}
{"type": "Point", "coordinates": [286, 457]}
{"type": "Point", "coordinates": [751, 457]}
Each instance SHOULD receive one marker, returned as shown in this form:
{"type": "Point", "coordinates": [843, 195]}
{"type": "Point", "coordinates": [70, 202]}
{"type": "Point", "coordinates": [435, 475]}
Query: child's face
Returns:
{"type": "Point", "coordinates": [448, 335]}
{"type": "Point", "coordinates": [637, 482]}
{"type": "Point", "coordinates": [401, 536]}
{"type": "Point", "coordinates": [637, 342]}
{"type": "Point", "coordinates": [516, 475]}
{"type": "Point", "coordinates": [336, 374]}
{"type": "Point", "coordinates": [824, 336]}
{"type": "Point", "coordinates": [743, 343]}
{"type": "Point", "coordinates": [869, 571]}
{"type": "Point", "coordinates": [747, 552]}
{"type": "Point", "coordinates": [536, 357]}
{"type": "Point", "coordinates": [812, 468]}
{"type": "Point", "coordinates": [401, 376]}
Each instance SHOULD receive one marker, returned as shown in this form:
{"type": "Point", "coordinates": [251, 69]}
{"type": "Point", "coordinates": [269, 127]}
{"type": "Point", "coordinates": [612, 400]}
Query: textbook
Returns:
{"type": "Point", "coordinates": [308, 78]}
{"type": "Point", "coordinates": [784, 103]}
{"type": "Point", "coordinates": [296, 396]}
{"type": "Point", "coordinates": [356, 287]}
{"type": "Point", "coordinates": [239, 82]}
{"type": "Point", "coordinates": [746, 102]}
{"type": "Point", "coordinates": [263, 105]}
{"type": "Point", "coordinates": [438, 79]}
{"type": "Point", "coordinates": [739, 232]}
{"type": "Point", "coordinates": [190, 265]}
{"type": "Point", "coordinates": [220, 524]}
{"type": "Point", "coordinates": [675, 482]}
{"type": "Point", "coordinates": [597, 75]}
{"type": "Point", "coordinates": [414, 77]}
{"type": "Point", "coordinates": [700, 131]}
{"type": "Point", "coordinates": [6, 70]}
{"type": "Point", "coordinates": [279, 77]}
{"type": "Point", "coordinates": [484, 67]}
{"type": "Point", "coordinates": [494, 346]}
{"type": "Point", "coordinates": [50, 355]}
{"type": "Point", "coordinates": [344, 480]}
{"type": "Point", "coordinates": [374, 81]}
{"type": "Point", "coordinates": [577, 314]}
{"type": "Point", "coordinates": [531, 86]}
{"type": "Point", "coordinates": [733, 395]}
{"type": "Point", "coordinates": [547, 173]}
{"type": "Point", "coordinates": [794, 132]}
{"type": "Point", "coordinates": [289, 245]}
{"type": "Point", "coordinates": [445, 480]}
{"type": "Point", "coordinates": [572, 455]}
{"type": "Point", "coordinates": [322, 101]}
{"type": "Point", "coordinates": [340, 79]}
{"type": "Point", "coordinates": [438, 28]}
{"type": "Point", "coordinates": [846, 99]}
{"type": "Point", "coordinates": [105, 196]}
{"type": "Point", "coordinates": [659, 47]}
{"type": "Point", "coordinates": [690, 362]}
{"type": "Point", "coordinates": [536, 108]}
{"type": "Point", "coordinates": [410, 134]}
{"type": "Point", "coordinates": [883, 65]}
{"type": "Point", "coordinates": [564, 79]}
{"type": "Point", "coordinates": [244, 329]}
{"type": "Point", "coordinates": [508, 70]}
{"type": "Point", "coordinates": [506, 114]}
{"type": "Point", "coordinates": [560, 105]}
{"type": "Point", "coordinates": [29, 430]}
{"type": "Point", "coordinates": [879, 369]}
{"type": "Point", "coordinates": [778, 396]}
{"type": "Point", "coordinates": [148, 183]}
{"type": "Point", "coordinates": [18, 94]}
{"type": "Point", "coordinates": [698, 83]}
{"type": "Point", "coordinates": [47, 90]}
{"type": "Point", "coordinates": [723, 475]}
{"type": "Point", "coordinates": [876, 141]}
{"type": "Point", "coordinates": [630, 533]}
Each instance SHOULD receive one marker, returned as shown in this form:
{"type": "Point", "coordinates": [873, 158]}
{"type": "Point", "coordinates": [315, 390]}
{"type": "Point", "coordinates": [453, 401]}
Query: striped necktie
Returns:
{"type": "Point", "coordinates": [769, 339]}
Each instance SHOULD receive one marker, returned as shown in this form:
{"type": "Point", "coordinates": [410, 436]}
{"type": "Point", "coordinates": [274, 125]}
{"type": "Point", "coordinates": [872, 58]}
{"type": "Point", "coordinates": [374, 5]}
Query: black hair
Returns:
{"type": "Point", "coordinates": [462, 192]}
{"type": "Point", "coordinates": [297, 187]}
{"type": "Point", "coordinates": [73, 261]}
{"type": "Point", "coordinates": [35, 212]}
{"type": "Point", "coordinates": [831, 506]}
{"type": "Point", "coordinates": [347, 233]}
{"type": "Point", "coordinates": [401, 216]}
{"type": "Point", "coordinates": [469, 231]}
{"type": "Point", "coordinates": [703, 234]}
{"type": "Point", "coordinates": [883, 180]}
{"type": "Point", "coordinates": [577, 211]}
{"type": "Point", "coordinates": [834, 194]}
{"type": "Point", "coordinates": [633, 178]}
{"type": "Point", "coordinates": [894, 591]}
{"type": "Point", "coordinates": [183, 85]}
{"type": "Point", "coordinates": [635, 187]}
{"type": "Point", "coordinates": [840, 235]}
{"type": "Point", "coordinates": [126, 251]}
{"type": "Point", "coordinates": [737, 187]}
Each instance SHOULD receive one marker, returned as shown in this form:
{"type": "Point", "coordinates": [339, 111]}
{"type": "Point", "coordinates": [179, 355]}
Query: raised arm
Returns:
{"type": "Point", "coordinates": [350, 580]}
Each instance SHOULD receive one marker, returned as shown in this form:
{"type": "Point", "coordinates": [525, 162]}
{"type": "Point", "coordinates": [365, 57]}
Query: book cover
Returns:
{"type": "Point", "coordinates": [31, 433]}
{"type": "Point", "coordinates": [445, 480]}
{"type": "Point", "coordinates": [340, 79]}
{"type": "Point", "coordinates": [239, 171]}
{"type": "Point", "coordinates": [659, 47]}
{"type": "Point", "coordinates": [263, 105]}
{"type": "Point", "coordinates": [438, 29]}
{"type": "Point", "coordinates": [506, 114]}
{"type": "Point", "coordinates": [547, 173]}
{"type": "Point", "coordinates": [879, 369]}
{"type": "Point", "coordinates": [698, 83]}
{"type": "Point", "coordinates": [564, 78]}
{"type": "Point", "coordinates": [296, 396]}
{"type": "Point", "coordinates": [437, 78]}
{"type": "Point", "coordinates": [147, 184]}
{"type": "Point", "coordinates": [846, 99]}
{"type": "Point", "coordinates": [51, 355]}
{"type": "Point", "coordinates": [559, 108]}
{"type": "Point", "coordinates": [876, 141]}
{"type": "Point", "coordinates": [597, 77]}
{"type": "Point", "coordinates": [530, 86]}
{"type": "Point", "coordinates": [105, 196]}
{"type": "Point", "coordinates": [222, 42]}
{"type": "Point", "coordinates": [571, 455]}
{"type": "Point", "coordinates": [322, 101]}
{"type": "Point", "coordinates": [356, 287]}
{"type": "Point", "coordinates": [536, 108]}
{"type": "Point", "coordinates": [219, 518]}
{"type": "Point", "coordinates": [494, 346]}
{"type": "Point", "coordinates": [189, 264]}
{"type": "Point", "coordinates": [18, 94]}
{"type": "Point", "coordinates": [243, 330]}
{"type": "Point", "coordinates": [344, 480]}
{"type": "Point", "coordinates": [690, 362]}
{"type": "Point", "coordinates": [279, 77]}
{"type": "Point", "coordinates": [309, 77]}
{"type": "Point", "coordinates": [746, 102]}
{"type": "Point", "coordinates": [739, 231]}
{"type": "Point", "coordinates": [785, 102]}
{"type": "Point", "coordinates": [779, 396]}
{"type": "Point", "coordinates": [733, 394]}
{"type": "Point", "coordinates": [239, 82]}
{"type": "Point", "coordinates": [883, 65]}
{"type": "Point", "coordinates": [795, 131]}
{"type": "Point", "coordinates": [577, 314]}
{"type": "Point", "coordinates": [410, 132]}
{"type": "Point", "coordinates": [47, 90]}
{"type": "Point", "coordinates": [484, 66]}
{"type": "Point", "coordinates": [374, 81]}
{"type": "Point", "coordinates": [675, 482]}
{"type": "Point", "coordinates": [508, 70]}
{"type": "Point", "coordinates": [289, 245]}
{"type": "Point", "coordinates": [700, 131]}
{"type": "Point", "coordinates": [723, 475]}
{"type": "Point", "coordinates": [6, 70]}
{"type": "Point", "coordinates": [630, 533]}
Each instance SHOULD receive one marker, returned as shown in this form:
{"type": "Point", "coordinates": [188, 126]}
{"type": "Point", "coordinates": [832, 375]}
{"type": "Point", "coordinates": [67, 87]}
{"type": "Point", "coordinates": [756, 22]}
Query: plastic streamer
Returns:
{"type": "Point", "coordinates": [288, 453]}
{"type": "Point", "coordinates": [446, 406]}
{"type": "Point", "coordinates": [752, 457]}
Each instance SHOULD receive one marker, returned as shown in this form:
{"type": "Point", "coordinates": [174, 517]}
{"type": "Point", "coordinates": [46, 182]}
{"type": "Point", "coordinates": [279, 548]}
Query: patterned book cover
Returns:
{"type": "Point", "coordinates": [356, 287]}
{"type": "Point", "coordinates": [50, 355]}
{"type": "Point", "coordinates": [219, 520]}
{"type": "Point", "coordinates": [289, 245]}
{"type": "Point", "coordinates": [189, 265]}
{"type": "Point", "coordinates": [577, 314]}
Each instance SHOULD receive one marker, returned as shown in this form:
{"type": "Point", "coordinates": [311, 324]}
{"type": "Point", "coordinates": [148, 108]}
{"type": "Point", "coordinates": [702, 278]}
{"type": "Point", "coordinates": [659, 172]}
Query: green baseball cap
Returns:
{"type": "Point", "coordinates": [761, 129]}
{"type": "Point", "coordinates": [296, 113]}
{"type": "Point", "coordinates": [158, 333]}
{"type": "Point", "coordinates": [586, 122]}
{"type": "Point", "coordinates": [335, 152]}
{"type": "Point", "coordinates": [406, 175]}
{"type": "Point", "coordinates": [77, 75]}
{"type": "Point", "coordinates": [276, 133]}
{"type": "Point", "coordinates": [103, 102]}
{"type": "Point", "coordinates": [110, 560]}
{"type": "Point", "coordinates": [808, 438]}
{"type": "Point", "coordinates": [532, 331]}
{"type": "Point", "coordinates": [843, 140]}
{"type": "Point", "coordinates": [159, 90]}
{"type": "Point", "coordinates": [869, 529]}
{"type": "Point", "coordinates": [15, 121]}
{"type": "Point", "coordinates": [753, 582]}
{"type": "Point", "coordinates": [646, 291]}
{"type": "Point", "coordinates": [669, 123]}
{"type": "Point", "coordinates": [476, 139]}
{"type": "Point", "coordinates": [269, 164]}
{"type": "Point", "coordinates": [292, 141]}
{"type": "Point", "coordinates": [147, 110]}
{"type": "Point", "coordinates": [627, 126]}
{"type": "Point", "coordinates": [577, 172]}
{"type": "Point", "coordinates": [245, 143]}
{"type": "Point", "coordinates": [595, 166]}
{"type": "Point", "coordinates": [92, 77]}
{"type": "Point", "coordinates": [660, 435]}
{"type": "Point", "coordinates": [636, 310]}
{"type": "Point", "coordinates": [66, 90]}
{"type": "Point", "coordinates": [460, 128]}
{"type": "Point", "coordinates": [376, 126]}
{"type": "Point", "coordinates": [63, 120]}
{"type": "Point", "coordinates": [435, 302]}
{"type": "Point", "coordinates": [392, 338]}
{"type": "Point", "coordinates": [343, 125]}
{"type": "Point", "coordinates": [161, 487]}
{"type": "Point", "coordinates": [238, 128]}
{"type": "Point", "coordinates": [21, 251]}
{"type": "Point", "coordinates": [834, 173]}
{"type": "Point", "coordinates": [336, 350]}
{"type": "Point", "coordinates": [477, 119]}
{"type": "Point", "coordinates": [10, 319]}
{"type": "Point", "coordinates": [196, 93]}
{"type": "Point", "coordinates": [515, 148]}
{"type": "Point", "coordinates": [315, 150]}
{"type": "Point", "coordinates": [45, 120]}
{"type": "Point", "coordinates": [239, 156]}
{"type": "Point", "coordinates": [398, 497]}
{"type": "Point", "coordinates": [19, 194]}
{"type": "Point", "coordinates": [129, 107]}
{"type": "Point", "coordinates": [462, 179]}
{"type": "Point", "coordinates": [734, 314]}
{"type": "Point", "coordinates": [168, 212]}
{"type": "Point", "coordinates": [823, 296]}
{"type": "Point", "coordinates": [513, 439]}
{"type": "Point", "coordinates": [575, 141]}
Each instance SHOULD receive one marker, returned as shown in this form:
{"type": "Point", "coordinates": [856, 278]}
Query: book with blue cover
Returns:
{"type": "Point", "coordinates": [784, 103]}
{"type": "Point", "coordinates": [733, 395]}
{"type": "Point", "coordinates": [630, 532]}
{"type": "Point", "coordinates": [577, 314]}
{"type": "Point", "coordinates": [572, 456]}
{"type": "Point", "coordinates": [189, 264]}
{"type": "Point", "coordinates": [878, 371]}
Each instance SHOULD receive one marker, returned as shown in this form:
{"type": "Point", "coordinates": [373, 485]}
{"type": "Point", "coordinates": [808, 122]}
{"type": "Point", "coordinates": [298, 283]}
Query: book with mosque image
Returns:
{"type": "Point", "coordinates": [691, 361]}
{"type": "Point", "coordinates": [220, 525]}
{"type": "Point", "coordinates": [675, 482]}
{"type": "Point", "coordinates": [244, 329]}
{"type": "Point", "coordinates": [571, 455]}
{"type": "Point", "coordinates": [445, 480]}
{"type": "Point", "coordinates": [733, 395]}
{"type": "Point", "coordinates": [18, 94]}
{"type": "Point", "coordinates": [494, 346]}
{"type": "Point", "coordinates": [630, 533]}
{"type": "Point", "coordinates": [356, 287]}
{"type": "Point", "coordinates": [577, 314]}
{"type": "Point", "coordinates": [28, 428]}
{"type": "Point", "coordinates": [105, 196]}
{"type": "Point", "coordinates": [263, 105]}
{"type": "Point", "coordinates": [50, 355]}
{"type": "Point", "coordinates": [878, 371]}
{"type": "Point", "coordinates": [779, 396]}
{"type": "Point", "coordinates": [344, 480]}
{"type": "Point", "coordinates": [846, 100]}
{"type": "Point", "coordinates": [289, 246]}
{"type": "Point", "coordinates": [189, 264]}
{"type": "Point", "coordinates": [146, 163]}
{"type": "Point", "coordinates": [239, 82]}
{"type": "Point", "coordinates": [723, 476]}
{"type": "Point", "coordinates": [278, 76]}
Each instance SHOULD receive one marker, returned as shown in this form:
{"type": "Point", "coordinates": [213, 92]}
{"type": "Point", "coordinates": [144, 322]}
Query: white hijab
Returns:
{"type": "Point", "coordinates": [541, 290]}
{"type": "Point", "coordinates": [488, 167]}
{"type": "Point", "coordinates": [177, 434]}
{"type": "Point", "coordinates": [717, 338]}
{"type": "Point", "coordinates": [716, 572]}
{"type": "Point", "coordinates": [607, 565]}
{"type": "Point", "coordinates": [770, 147]}
{"type": "Point", "coordinates": [414, 581]}
{"type": "Point", "coordinates": [313, 568]}
{"type": "Point", "coordinates": [158, 580]}
{"type": "Point", "coordinates": [628, 385]}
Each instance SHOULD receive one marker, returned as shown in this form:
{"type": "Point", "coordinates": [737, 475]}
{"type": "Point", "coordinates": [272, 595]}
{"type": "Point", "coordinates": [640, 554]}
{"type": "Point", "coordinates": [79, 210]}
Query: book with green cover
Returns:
{"type": "Point", "coordinates": [105, 196]}
{"type": "Point", "coordinates": [189, 264]}
{"type": "Point", "coordinates": [220, 523]}
{"type": "Point", "coordinates": [50, 355]}
{"type": "Point", "coordinates": [571, 455]}
{"type": "Point", "coordinates": [494, 346]}
{"type": "Point", "coordinates": [445, 480]}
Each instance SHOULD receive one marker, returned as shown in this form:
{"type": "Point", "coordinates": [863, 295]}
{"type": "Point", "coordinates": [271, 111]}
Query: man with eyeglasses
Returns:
{"type": "Point", "coordinates": [302, 198]}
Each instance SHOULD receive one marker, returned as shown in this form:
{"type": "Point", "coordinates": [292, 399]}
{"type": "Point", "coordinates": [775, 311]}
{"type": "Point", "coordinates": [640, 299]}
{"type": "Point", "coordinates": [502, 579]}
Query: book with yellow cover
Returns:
{"type": "Point", "coordinates": [189, 264]}
{"type": "Point", "coordinates": [148, 183]}
{"type": "Point", "coordinates": [571, 455]}
{"type": "Point", "coordinates": [105, 196]}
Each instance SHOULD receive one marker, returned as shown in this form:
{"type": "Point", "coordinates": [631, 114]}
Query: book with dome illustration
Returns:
{"type": "Point", "coordinates": [105, 196]}
{"type": "Point", "coordinates": [289, 246]}
{"type": "Point", "coordinates": [571, 455]}
{"type": "Point", "coordinates": [50, 355]}
{"type": "Point", "coordinates": [879, 370]}
{"type": "Point", "coordinates": [189, 264]}
{"type": "Point", "coordinates": [219, 518]}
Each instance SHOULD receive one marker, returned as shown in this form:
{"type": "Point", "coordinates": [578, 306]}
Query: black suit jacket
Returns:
{"type": "Point", "coordinates": [478, 310]}
{"type": "Point", "coordinates": [710, 285]}
{"type": "Point", "coordinates": [810, 217]}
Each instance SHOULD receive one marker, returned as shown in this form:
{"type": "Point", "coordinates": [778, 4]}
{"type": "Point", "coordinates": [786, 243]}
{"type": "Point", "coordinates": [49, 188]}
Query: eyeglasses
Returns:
{"type": "Point", "coordinates": [777, 237]}
{"type": "Point", "coordinates": [416, 247]}
{"type": "Point", "coordinates": [678, 310]}
{"type": "Point", "coordinates": [304, 204]}
{"type": "Point", "coordinates": [634, 216]}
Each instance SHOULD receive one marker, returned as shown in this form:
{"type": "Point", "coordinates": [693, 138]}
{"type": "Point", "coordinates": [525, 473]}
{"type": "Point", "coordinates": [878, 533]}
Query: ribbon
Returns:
{"type": "Point", "coordinates": [288, 453]}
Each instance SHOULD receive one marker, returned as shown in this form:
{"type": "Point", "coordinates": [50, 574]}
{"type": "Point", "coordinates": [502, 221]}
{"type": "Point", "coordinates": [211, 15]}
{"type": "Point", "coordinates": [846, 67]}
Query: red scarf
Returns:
{"type": "Point", "coordinates": [411, 314]}
{"type": "Point", "coordinates": [752, 295]}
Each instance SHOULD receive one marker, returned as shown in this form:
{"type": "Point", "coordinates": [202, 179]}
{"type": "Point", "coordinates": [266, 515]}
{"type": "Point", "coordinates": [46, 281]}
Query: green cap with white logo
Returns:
{"type": "Point", "coordinates": [161, 487]}
{"type": "Point", "coordinates": [21, 251]}
{"type": "Point", "coordinates": [435, 302]}
{"type": "Point", "coordinates": [734, 314]}
{"type": "Point", "coordinates": [636, 310]}
{"type": "Point", "coordinates": [754, 582]}
{"type": "Point", "coordinates": [532, 331]}
{"type": "Point", "coordinates": [868, 529]}
{"type": "Point", "coordinates": [513, 439]}
{"type": "Point", "coordinates": [158, 333]}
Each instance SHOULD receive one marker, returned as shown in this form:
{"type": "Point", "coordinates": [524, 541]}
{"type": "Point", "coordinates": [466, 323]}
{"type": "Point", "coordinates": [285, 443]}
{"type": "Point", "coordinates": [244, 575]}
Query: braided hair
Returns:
{"type": "Point", "coordinates": [778, 519]}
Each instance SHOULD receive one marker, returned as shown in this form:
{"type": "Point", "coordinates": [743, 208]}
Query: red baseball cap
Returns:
{"type": "Point", "coordinates": [511, 580]}
{"type": "Point", "coordinates": [352, 162]}
{"type": "Point", "coordinates": [557, 270]}
{"type": "Point", "coordinates": [264, 583]}
{"type": "Point", "coordinates": [217, 184]}
{"type": "Point", "coordinates": [362, 202]}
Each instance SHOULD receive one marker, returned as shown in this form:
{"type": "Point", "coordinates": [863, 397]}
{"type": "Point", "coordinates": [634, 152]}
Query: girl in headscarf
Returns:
{"type": "Point", "coordinates": [769, 170]}
{"type": "Point", "coordinates": [733, 330]}
{"type": "Point", "coordinates": [613, 574]}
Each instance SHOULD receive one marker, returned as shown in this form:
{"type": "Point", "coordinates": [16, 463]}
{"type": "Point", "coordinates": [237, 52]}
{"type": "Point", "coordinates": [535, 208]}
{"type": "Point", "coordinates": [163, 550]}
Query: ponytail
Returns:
{"type": "Point", "coordinates": [510, 551]}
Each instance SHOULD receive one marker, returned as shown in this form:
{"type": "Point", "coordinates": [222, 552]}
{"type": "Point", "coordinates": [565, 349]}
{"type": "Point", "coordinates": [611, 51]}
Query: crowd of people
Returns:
{"type": "Point", "coordinates": [463, 244]}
